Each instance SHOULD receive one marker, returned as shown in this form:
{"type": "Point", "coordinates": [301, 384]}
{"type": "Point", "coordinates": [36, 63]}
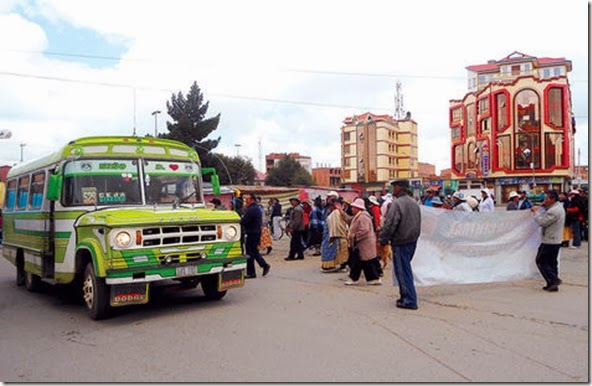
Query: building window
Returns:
{"type": "Point", "coordinates": [485, 125]}
{"type": "Point", "coordinates": [527, 110]}
{"type": "Point", "coordinates": [471, 126]}
{"type": "Point", "coordinates": [457, 114]}
{"type": "Point", "coordinates": [483, 106]}
{"type": "Point", "coordinates": [516, 69]}
{"type": "Point", "coordinates": [553, 150]}
{"type": "Point", "coordinates": [502, 111]}
{"type": "Point", "coordinates": [527, 68]}
{"type": "Point", "coordinates": [555, 105]}
{"type": "Point", "coordinates": [503, 152]}
{"type": "Point", "coordinates": [546, 73]}
{"type": "Point", "coordinates": [527, 151]}
{"type": "Point", "coordinates": [455, 133]}
{"type": "Point", "coordinates": [557, 71]}
{"type": "Point", "coordinates": [346, 136]}
{"type": "Point", "coordinates": [459, 158]}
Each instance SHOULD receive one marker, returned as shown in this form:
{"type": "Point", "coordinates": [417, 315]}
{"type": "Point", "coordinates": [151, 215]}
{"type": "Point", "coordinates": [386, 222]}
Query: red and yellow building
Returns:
{"type": "Point", "coordinates": [514, 129]}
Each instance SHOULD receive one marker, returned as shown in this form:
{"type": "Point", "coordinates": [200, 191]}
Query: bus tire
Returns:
{"type": "Point", "coordinates": [95, 294]}
{"type": "Point", "coordinates": [32, 282]}
{"type": "Point", "coordinates": [209, 285]}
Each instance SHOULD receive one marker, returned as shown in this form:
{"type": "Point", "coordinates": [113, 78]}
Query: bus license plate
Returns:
{"type": "Point", "coordinates": [189, 270]}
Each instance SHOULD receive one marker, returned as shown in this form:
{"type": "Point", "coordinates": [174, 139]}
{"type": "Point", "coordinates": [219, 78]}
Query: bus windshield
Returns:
{"type": "Point", "coordinates": [171, 181]}
{"type": "Point", "coordinates": [101, 182]}
{"type": "Point", "coordinates": [117, 182]}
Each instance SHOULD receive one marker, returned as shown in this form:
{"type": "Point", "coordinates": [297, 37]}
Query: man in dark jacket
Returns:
{"type": "Point", "coordinates": [296, 228]}
{"type": "Point", "coordinates": [251, 223]}
{"type": "Point", "coordinates": [402, 227]}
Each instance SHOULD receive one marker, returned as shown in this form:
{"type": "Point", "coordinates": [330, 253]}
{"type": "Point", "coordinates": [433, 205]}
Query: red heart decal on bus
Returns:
{"type": "Point", "coordinates": [174, 167]}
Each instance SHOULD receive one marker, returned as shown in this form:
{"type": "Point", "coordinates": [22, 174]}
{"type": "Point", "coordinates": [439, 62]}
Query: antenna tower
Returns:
{"type": "Point", "coordinates": [399, 108]}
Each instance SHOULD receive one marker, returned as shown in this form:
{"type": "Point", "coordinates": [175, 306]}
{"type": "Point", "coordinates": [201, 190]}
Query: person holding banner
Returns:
{"type": "Point", "coordinates": [551, 217]}
{"type": "Point", "coordinates": [459, 202]}
{"type": "Point", "coordinates": [402, 228]}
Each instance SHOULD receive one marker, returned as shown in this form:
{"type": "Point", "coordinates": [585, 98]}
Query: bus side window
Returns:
{"type": "Point", "coordinates": [22, 193]}
{"type": "Point", "coordinates": [10, 195]}
{"type": "Point", "coordinates": [37, 186]}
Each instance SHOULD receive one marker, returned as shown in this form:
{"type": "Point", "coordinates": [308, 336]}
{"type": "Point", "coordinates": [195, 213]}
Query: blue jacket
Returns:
{"type": "Point", "coordinates": [251, 220]}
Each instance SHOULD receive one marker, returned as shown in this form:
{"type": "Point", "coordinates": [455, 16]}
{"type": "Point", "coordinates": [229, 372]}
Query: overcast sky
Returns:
{"type": "Point", "coordinates": [282, 74]}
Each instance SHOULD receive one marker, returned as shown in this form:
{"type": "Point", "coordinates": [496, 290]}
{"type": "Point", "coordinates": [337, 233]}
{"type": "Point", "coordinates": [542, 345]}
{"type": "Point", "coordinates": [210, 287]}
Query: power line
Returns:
{"type": "Point", "coordinates": [230, 96]}
{"type": "Point", "coordinates": [260, 99]}
{"type": "Point", "coordinates": [298, 70]}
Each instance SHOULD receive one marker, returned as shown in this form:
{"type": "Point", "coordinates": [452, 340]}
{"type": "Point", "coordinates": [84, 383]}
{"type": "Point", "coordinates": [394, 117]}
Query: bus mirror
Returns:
{"type": "Point", "coordinates": [215, 180]}
{"type": "Point", "coordinates": [216, 184]}
{"type": "Point", "coordinates": [54, 187]}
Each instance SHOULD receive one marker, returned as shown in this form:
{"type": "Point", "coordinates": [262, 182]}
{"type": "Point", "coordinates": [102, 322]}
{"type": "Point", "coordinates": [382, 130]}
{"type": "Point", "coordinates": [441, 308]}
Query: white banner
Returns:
{"type": "Point", "coordinates": [471, 247]}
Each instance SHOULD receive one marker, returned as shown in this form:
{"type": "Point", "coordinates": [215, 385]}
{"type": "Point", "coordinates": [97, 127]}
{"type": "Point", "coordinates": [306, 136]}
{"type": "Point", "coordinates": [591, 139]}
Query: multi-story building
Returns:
{"type": "Point", "coordinates": [514, 129]}
{"type": "Point", "coordinates": [272, 159]}
{"type": "Point", "coordinates": [376, 149]}
{"type": "Point", "coordinates": [327, 176]}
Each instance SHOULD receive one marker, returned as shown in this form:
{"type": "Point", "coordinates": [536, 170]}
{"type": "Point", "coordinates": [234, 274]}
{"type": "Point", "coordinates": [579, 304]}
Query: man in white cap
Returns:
{"type": "Point", "coordinates": [486, 204]}
{"type": "Point", "coordinates": [513, 201]}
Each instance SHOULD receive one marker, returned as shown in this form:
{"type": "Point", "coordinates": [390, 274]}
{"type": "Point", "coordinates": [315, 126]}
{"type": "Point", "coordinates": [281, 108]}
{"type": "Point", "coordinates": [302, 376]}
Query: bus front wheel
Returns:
{"type": "Point", "coordinates": [95, 294]}
{"type": "Point", "coordinates": [209, 285]}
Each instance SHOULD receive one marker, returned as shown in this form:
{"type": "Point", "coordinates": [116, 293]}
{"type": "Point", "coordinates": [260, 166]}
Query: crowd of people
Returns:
{"type": "Point", "coordinates": [361, 236]}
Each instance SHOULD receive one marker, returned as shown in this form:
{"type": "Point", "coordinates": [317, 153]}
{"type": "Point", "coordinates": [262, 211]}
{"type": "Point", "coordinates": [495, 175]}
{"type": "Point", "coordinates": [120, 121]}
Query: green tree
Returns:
{"type": "Point", "coordinates": [288, 172]}
{"type": "Point", "coordinates": [233, 170]}
{"type": "Point", "coordinates": [189, 123]}
{"type": "Point", "coordinates": [191, 127]}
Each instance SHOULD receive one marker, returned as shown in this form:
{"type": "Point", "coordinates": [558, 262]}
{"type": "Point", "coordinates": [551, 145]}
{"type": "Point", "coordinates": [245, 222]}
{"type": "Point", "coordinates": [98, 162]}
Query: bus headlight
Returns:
{"type": "Point", "coordinates": [123, 240]}
{"type": "Point", "coordinates": [231, 232]}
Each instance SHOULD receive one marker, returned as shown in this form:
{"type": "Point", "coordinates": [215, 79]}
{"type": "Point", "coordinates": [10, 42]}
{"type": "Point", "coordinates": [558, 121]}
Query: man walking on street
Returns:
{"type": "Point", "coordinates": [251, 222]}
{"type": "Point", "coordinates": [402, 228]}
{"type": "Point", "coordinates": [551, 217]}
{"type": "Point", "coordinates": [296, 228]}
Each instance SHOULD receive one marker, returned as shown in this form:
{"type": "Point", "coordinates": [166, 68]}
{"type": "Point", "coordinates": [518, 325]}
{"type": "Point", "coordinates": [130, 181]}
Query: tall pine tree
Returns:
{"type": "Point", "coordinates": [189, 123]}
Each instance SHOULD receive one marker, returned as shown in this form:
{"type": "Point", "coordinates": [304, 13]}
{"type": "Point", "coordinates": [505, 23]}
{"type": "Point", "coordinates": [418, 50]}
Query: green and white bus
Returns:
{"type": "Point", "coordinates": [111, 215]}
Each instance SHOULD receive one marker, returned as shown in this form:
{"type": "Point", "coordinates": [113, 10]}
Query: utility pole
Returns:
{"type": "Point", "coordinates": [155, 113]}
{"type": "Point", "coordinates": [22, 147]}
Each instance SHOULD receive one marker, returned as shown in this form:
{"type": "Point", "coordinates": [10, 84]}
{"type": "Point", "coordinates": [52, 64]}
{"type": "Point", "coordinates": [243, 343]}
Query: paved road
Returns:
{"type": "Point", "coordinates": [298, 325]}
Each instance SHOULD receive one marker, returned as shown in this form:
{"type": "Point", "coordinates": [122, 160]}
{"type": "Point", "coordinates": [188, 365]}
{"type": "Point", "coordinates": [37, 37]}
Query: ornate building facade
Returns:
{"type": "Point", "coordinates": [514, 129]}
{"type": "Point", "coordinates": [376, 149]}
